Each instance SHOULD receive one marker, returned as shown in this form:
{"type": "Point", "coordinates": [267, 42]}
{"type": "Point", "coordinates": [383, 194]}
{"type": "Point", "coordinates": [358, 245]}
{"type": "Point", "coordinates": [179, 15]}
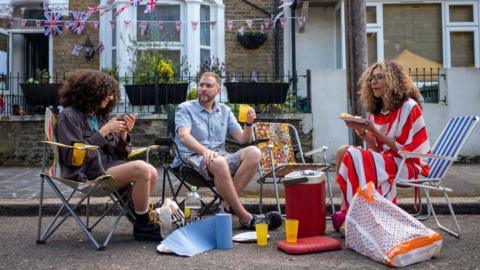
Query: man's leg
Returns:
{"type": "Point", "coordinates": [226, 188]}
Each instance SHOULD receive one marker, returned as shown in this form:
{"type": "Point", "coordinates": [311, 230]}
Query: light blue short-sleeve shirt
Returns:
{"type": "Point", "coordinates": [210, 129]}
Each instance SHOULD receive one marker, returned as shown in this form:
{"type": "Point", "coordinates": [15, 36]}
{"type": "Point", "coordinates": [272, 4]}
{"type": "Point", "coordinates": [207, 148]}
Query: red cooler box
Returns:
{"type": "Point", "coordinates": [305, 201]}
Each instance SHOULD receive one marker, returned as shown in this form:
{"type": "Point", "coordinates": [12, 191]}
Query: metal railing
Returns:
{"type": "Point", "coordinates": [427, 80]}
{"type": "Point", "coordinates": [149, 94]}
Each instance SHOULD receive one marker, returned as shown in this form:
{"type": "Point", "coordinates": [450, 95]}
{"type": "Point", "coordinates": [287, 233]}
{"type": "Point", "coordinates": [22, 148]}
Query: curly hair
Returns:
{"type": "Point", "coordinates": [84, 90]}
{"type": "Point", "coordinates": [400, 87]}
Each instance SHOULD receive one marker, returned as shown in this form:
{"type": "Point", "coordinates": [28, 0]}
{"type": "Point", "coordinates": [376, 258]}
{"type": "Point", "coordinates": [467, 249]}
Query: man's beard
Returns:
{"type": "Point", "coordinates": [206, 98]}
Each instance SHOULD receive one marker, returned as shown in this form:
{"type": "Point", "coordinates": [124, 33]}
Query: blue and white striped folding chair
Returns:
{"type": "Point", "coordinates": [444, 153]}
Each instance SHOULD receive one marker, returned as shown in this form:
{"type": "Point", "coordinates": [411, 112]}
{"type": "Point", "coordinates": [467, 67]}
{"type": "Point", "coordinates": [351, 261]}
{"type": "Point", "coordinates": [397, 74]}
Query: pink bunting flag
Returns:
{"type": "Point", "coordinates": [283, 21]}
{"type": "Point", "coordinates": [126, 23]}
{"type": "Point", "coordinates": [249, 23]}
{"type": "Point", "coordinates": [95, 24]}
{"type": "Point", "coordinates": [213, 24]}
{"type": "Point", "coordinates": [120, 10]}
{"type": "Point", "coordinates": [100, 47]}
{"type": "Point", "coordinates": [94, 9]}
{"type": "Point", "coordinates": [38, 23]}
{"type": "Point", "coordinates": [262, 29]}
{"type": "Point", "coordinates": [194, 25]}
{"type": "Point", "coordinates": [178, 26]}
{"type": "Point", "coordinates": [76, 50]}
{"type": "Point", "coordinates": [230, 25]}
{"type": "Point", "coordinates": [143, 27]}
{"type": "Point", "coordinates": [301, 21]}
{"type": "Point", "coordinates": [112, 24]}
{"type": "Point", "coordinates": [23, 22]}
{"type": "Point", "coordinates": [266, 23]}
{"type": "Point", "coordinates": [150, 6]}
{"type": "Point", "coordinates": [161, 26]}
{"type": "Point", "coordinates": [241, 31]}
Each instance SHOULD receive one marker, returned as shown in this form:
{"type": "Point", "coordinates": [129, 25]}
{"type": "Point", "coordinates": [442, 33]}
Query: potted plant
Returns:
{"type": "Point", "coordinates": [255, 92]}
{"type": "Point", "coordinates": [251, 40]}
{"type": "Point", "coordinates": [156, 81]}
{"type": "Point", "coordinates": [38, 91]}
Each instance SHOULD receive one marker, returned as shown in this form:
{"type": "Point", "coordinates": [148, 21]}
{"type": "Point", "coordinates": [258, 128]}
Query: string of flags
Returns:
{"type": "Point", "coordinates": [54, 23]}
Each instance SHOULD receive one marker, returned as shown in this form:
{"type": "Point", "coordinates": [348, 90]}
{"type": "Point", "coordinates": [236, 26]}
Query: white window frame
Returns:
{"type": "Point", "coordinates": [162, 45]}
{"type": "Point", "coordinates": [448, 62]}
{"type": "Point", "coordinates": [450, 27]}
{"type": "Point", "coordinates": [461, 3]}
{"type": "Point", "coordinates": [377, 28]}
{"type": "Point", "coordinates": [212, 32]}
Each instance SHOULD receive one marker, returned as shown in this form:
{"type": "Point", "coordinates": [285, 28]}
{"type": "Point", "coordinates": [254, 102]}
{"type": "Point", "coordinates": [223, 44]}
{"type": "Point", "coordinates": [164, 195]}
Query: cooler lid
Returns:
{"type": "Point", "coordinates": [312, 177]}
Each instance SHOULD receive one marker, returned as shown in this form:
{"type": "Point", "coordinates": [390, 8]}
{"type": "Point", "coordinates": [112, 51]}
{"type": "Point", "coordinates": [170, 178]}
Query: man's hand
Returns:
{"type": "Point", "coordinates": [209, 156]}
{"type": "Point", "coordinates": [251, 116]}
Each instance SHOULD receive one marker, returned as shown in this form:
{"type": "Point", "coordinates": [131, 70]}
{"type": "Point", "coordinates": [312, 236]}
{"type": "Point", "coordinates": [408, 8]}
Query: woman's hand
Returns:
{"type": "Point", "coordinates": [115, 125]}
{"type": "Point", "coordinates": [129, 120]}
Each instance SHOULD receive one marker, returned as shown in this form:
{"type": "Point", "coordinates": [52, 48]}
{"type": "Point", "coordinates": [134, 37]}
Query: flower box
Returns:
{"type": "Point", "coordinates": [41, 94]}
{"type": "Point", "coordinates": [257, 92]}
{"type": "Point", "coordinates": [151, 94]}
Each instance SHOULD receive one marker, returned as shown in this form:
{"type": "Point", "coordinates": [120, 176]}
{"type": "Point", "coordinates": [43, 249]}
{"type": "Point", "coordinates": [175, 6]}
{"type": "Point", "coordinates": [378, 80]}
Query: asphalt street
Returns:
{"type": "Point", "coordinates": [69, 248]}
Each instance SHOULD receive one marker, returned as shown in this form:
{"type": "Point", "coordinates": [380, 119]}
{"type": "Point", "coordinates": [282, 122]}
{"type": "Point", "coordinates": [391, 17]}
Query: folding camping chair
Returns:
{"type": "Point", "coordinates": [278, 157]}
{"type": "Point", "coordinates": [103, 186]}
{"type": "Point", "coordinates": [185, 174]}
{"type": "Point", "coordinates": [444, 153]}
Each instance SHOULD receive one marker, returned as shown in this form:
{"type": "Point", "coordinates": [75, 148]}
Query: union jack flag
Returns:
{"type": "Point", "coordinates": [135, 2]}
{"type": "Point", "coordinates": [150, 6]}
{"type": "Point", "coordinates": [79, 21]}
{"type": "Point", "coordinates": [53, 24]}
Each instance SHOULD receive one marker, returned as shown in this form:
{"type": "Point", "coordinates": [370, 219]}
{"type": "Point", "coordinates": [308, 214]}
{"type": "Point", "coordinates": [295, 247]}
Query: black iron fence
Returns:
{"type": "Point", "coordinates": [427, 80]}
{"type": "Point", "coordinates": [149, 94]}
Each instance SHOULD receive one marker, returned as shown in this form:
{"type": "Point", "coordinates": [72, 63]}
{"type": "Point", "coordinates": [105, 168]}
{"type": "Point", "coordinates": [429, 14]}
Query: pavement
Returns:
{"type": "Point", "coordinates": [19, 190]}
{"type": "Point", "coordinates": [69, 248]}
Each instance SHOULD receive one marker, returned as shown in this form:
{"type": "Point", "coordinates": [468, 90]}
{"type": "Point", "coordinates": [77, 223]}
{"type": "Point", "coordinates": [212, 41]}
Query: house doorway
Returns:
{"type": "Point", "coordinates": [30, 52]}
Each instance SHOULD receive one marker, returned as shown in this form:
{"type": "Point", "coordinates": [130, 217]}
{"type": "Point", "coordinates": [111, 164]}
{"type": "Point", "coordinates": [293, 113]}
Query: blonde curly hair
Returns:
{"type": "Point", "coordinates": [399, 86]}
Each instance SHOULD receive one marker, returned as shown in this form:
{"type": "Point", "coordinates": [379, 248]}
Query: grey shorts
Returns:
{"type": "Point", "coordinates": [196, 161]}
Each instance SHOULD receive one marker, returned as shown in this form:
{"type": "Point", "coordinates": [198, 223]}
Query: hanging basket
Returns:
{"type": "Point", "coordinates": [252, 40]}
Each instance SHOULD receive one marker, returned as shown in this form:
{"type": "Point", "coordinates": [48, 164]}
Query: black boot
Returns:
{"type": "Point", "coordinates": [147, 227]}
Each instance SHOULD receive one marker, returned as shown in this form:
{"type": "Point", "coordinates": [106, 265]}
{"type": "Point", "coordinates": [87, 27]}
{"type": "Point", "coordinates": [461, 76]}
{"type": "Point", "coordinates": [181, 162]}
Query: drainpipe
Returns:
{"type": "Point", "coordinates": [294, 54]}
{"type": "Point", "coordinates": [277, 43]}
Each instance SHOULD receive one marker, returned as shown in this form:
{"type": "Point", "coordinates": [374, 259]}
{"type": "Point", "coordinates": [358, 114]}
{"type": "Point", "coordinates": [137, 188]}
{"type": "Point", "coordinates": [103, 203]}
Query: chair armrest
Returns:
{"type": "Point", "coordinates": [254, 142]}
{"type": "Point", "coordinates": [419, 155]}
{"type": "Point", "coordinates": [80, 147]}
{"type": "Point", "coordinates": [140, 150]}
{"type": "Point", "coordinates": [316, 151]}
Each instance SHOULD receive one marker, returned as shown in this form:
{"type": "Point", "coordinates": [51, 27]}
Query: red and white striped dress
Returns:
{"type": "Point", "coordinates": [360, 166]}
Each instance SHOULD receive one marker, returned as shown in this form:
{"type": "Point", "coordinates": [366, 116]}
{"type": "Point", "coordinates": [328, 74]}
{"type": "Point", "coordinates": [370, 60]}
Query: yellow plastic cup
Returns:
{"type": "Point", "coordinates": [291, 230]}
{"type": "Point", "coordinates": [243, 111]}
{"type": "Point", "coordinates": [78, 156]}
{"type": "Point", "coordinates": [262, 234]}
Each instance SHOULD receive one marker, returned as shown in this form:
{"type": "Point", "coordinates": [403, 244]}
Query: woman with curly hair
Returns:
{"type": "Point", "coordinates": [395, 123]}
{"type": "Point", "coordinates": [88, 98]}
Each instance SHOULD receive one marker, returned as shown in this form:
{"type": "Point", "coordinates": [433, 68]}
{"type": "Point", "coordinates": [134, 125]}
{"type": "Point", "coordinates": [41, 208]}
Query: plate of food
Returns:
{"type": "Point", "coordinates": [352, 118]}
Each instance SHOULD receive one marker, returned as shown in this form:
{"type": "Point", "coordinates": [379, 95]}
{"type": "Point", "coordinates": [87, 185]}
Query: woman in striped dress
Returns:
{"type": "Point", "coordinates": [395, 123]}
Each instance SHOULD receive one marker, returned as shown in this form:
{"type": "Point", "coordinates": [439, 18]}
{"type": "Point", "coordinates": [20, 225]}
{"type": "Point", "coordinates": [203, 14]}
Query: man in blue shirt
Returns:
{"type": "Point", "coordinates": [201, 129]}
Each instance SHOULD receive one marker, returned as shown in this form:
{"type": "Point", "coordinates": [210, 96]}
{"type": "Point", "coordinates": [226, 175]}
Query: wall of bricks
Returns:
{"type": "Point", "coordinates": [20, 144]}
{"type": "Point", "coordinates": [239, 59]}
{"type": "Point", "coordinates": [63, 60]}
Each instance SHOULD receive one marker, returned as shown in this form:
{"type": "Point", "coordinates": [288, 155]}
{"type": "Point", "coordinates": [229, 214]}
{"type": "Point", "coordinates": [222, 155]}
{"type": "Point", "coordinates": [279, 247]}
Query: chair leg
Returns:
{"type": "Point", "coordinates": [277, 197]}
{"type": "Point", "coordinates": [260, 205]}
{"type": "Point", "coordinates": [452, 213]}
{"type": "Point", "coordinates": [330, 193]}
{"type": "Point", "coordinates": [40, 213]}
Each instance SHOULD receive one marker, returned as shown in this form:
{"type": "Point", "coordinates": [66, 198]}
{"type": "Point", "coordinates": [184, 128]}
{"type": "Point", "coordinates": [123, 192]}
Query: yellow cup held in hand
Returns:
{"type": "Point", "coordinates": [243, 111]}
{"type": "Point", "coordinates": [291, 230]}
{"type": "Point", "coordinates": [78, 156]}
{"type": "Point", "coordinates": [262, 234]}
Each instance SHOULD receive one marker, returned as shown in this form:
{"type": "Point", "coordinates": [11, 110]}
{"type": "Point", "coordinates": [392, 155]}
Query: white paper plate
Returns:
{"type": "Point", "coordinates": [246, 237]}
{"type": "Point", "coordinates": [354, 119]}
{"type": "Point", "coordinates": [164, 249]}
